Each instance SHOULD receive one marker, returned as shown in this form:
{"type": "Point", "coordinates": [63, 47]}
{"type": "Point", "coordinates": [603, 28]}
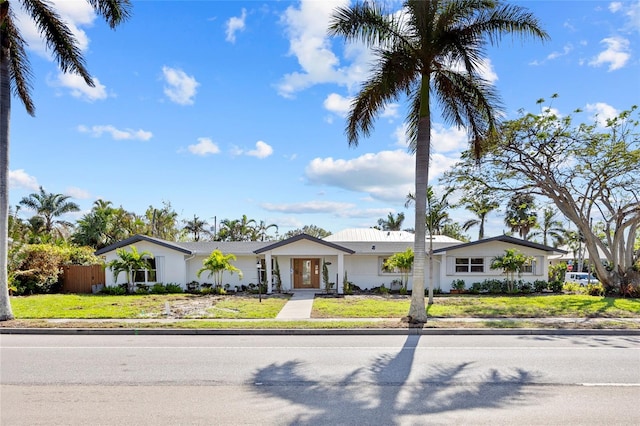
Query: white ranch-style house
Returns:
{"type": "Point", "coordinates": [358, 252]}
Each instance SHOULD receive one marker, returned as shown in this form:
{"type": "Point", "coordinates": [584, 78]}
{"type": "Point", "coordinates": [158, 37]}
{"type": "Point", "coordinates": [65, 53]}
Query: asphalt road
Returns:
{"type": "Point", "coordinates": [319, 380]}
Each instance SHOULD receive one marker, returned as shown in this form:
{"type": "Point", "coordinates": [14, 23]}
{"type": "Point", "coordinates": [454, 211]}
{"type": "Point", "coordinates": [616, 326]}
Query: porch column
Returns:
{"type": "Point", "coordinates": [339, 285]}
{"type": "Point", "coordinates": [267, 265]}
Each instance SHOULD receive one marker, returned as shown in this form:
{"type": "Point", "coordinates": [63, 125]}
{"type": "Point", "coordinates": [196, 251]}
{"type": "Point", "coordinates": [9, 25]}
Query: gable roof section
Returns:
{"type": "Point", "coordinates": [504, 239]}
{"type": "Point", "coordinates": [303, 237]}
{"type": "Point", "coordinates": [137, 238]}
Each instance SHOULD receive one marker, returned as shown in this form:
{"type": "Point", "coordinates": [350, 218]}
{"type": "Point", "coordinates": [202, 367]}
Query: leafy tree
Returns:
{"type": "Point", "coordinates": [437, 210]}
{"type": "Point", "coordinates": [391, 223]}
{"type": "Point", "coordinates": [162, 223]}
{"type": "Point", "coordinates": [312, 230]}
{"type": "Point", "coordinates": [401, 262]}
{"type": "Point", "coordinates": [197, 227]}
{"type": "Point", "coordinates": [432, 48]}
{"type": "Point", "coordinates": [550, 228]}
{"type": "Point", "coordinates": [129, 262]}
{"type": "Point", "coordinates": [588, 170]}
{"type": "Point", "coordinates": [455, 230]}
{"type": "Point", "coordinates": [50, 206]}
{"type": "Point", "coordinates": [511, 263]}
{"type": "Point", "coordinates": [520, 215]}
{"type": "Point", "coordinates": [216, 265]}
{"type": "Point", "coordinates": [15, 74]}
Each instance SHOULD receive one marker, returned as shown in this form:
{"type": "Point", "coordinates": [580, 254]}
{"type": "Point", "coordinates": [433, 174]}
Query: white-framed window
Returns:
{"type": "Point", "coordinates": [146, 275]}
{"type": "Point", "coordinates": [529, 267]}
{"type": "Point", "coordinates": [469, 264]}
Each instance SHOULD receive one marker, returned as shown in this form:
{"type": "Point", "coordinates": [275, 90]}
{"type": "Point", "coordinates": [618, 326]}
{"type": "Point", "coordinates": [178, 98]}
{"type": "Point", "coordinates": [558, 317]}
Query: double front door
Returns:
{"type": "Point", "coordinates": [306, 273]}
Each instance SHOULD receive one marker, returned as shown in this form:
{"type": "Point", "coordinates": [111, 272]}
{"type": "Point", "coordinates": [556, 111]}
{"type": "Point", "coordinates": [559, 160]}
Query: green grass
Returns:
{"type": "Point", "coordinates": [75, 306]}
{"type": "Point", "coordinates": [482, 307]}
{"type": "Point", "coordinates": [80, 307]}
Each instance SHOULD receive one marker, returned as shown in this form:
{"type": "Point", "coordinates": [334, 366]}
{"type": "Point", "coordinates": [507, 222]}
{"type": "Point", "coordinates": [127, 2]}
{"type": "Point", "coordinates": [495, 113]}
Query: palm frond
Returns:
{"type": "Point", "coordinates": [20, 73]}
{"type": "Point", "coordinates": [58, 37]}
{"type": "Point", "coordinates": [113, 11]}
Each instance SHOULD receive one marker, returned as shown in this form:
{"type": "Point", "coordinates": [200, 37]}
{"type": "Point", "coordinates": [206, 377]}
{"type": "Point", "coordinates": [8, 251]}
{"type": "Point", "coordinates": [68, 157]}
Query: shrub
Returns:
{"type": "Point", "coordinates": [555, 286]}
{"type": "Point", "coordinates": [540, 285]}
{"type": "Point", "coordinates": [572, 288]}
{"type": "Point", "coordinates": [158, 289]}
{"type": "Point", "coordinates": [173, 288]}
{"type": "Point", "coordinates": [458, 284]}
{"type": "Point", "coordinates": [525, 287]}
{"type": "Point", "coordinates": [114, 290]}
{"type": "Point", "coordinates": [595, 289]}
{"type": "Point", "coordinates": [37, 269]}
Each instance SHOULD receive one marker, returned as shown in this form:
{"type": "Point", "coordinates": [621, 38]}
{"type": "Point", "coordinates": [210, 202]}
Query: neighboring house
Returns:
{"type": "Point", "coordinates": [358, 252]}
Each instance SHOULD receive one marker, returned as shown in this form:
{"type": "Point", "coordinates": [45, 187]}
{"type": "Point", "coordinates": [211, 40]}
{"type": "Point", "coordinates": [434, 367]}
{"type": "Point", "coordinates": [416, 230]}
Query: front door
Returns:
{"type": "Point", "coordinates": [306, 273]}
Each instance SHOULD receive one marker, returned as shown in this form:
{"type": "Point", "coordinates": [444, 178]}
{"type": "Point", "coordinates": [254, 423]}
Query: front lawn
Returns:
{"type": "Point", "coordinates": [73, 306]}
{"type": "Point", "coordinates": [80, 306]}
{"type": "Point", "coordinates": [481, 307]}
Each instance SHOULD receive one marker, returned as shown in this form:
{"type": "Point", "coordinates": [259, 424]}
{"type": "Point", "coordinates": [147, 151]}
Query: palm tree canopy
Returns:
{"type": "Point", "coordinates": [429, 47]}
{"type": "Point", "coordinates": [58, 37]}
{"type": "Point", "coordinates": [49, 206]}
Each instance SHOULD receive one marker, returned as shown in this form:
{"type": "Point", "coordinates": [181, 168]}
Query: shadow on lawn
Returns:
{"type": "Point", "coordinates": [391, 387]}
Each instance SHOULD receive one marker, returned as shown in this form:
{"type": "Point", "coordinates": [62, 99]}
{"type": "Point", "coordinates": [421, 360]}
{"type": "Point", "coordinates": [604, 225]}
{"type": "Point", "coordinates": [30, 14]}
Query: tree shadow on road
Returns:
{"type": "Point", "coordinates": [390, 387]}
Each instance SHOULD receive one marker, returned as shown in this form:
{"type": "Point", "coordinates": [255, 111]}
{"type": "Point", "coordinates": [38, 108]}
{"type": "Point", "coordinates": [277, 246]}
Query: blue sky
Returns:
{"type": "Point", "coordinates": [225, 108]}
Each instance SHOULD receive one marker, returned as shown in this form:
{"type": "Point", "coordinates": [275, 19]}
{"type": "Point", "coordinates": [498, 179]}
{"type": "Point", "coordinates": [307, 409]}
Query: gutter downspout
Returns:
{"type": "Point", "coordinates": [186, 268]}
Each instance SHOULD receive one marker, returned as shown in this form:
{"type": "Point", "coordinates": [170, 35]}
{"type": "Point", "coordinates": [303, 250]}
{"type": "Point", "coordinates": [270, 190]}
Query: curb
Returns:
{"type": "Point", "coordinates": [324, 332]}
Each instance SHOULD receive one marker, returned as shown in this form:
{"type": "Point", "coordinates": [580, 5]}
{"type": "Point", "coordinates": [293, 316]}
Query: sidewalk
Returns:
{"type": "Point", "coordinates": [299, 306]}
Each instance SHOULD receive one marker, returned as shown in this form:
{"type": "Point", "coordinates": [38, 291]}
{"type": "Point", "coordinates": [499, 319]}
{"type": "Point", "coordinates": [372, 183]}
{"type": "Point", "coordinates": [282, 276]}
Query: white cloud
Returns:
{"type": "Point", "coordinates": [565, 51]}
{"type": "Point", "coordinates": [235, 24]}
{"type": "Point", "coordinates": [204, 147]}
{"type": "Point", "coordinates": [601, 112]}
{"type": "Point", "coordinates": [615, 6]}
{"type": "Point", "coordinates": [337, 104]}
{"type": "Point", "coordinates": [263, 150]}
{"type": "Point", "coordinates": [78, 193]}
{"type": "Point", "coordinates": [117, 134]}
{"type": "Point", "coordinates": [443, 139]}
{"type": "Point", "coordinates": [387, 175]}
{"type": "Point", "coordinates": [306, 28]}
{"type": "Point", "coordinates": [179, 87]}
{"type": "Point", "coordinates": [308, 207]}
{"type": "Point", "coordinates": [21, 179]}
{"type": "Point", "coordinates": [616, 53]}
{"type": "Point", "coordinates": [79, 88]}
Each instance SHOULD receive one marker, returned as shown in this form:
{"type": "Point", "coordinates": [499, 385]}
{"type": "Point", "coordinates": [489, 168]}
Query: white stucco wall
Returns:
{"type": "Point", "coordinates": [487, 252]}
{"type": "Point", "coordinates": [172, 270]}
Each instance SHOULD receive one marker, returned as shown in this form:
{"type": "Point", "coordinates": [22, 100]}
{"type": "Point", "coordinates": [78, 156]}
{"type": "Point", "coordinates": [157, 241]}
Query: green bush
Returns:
{"type": "Point", "coordinates": [595, 289]}
{"type": "Point", "coordinates": [158, 288]}
{"type": "Point", "coordinates": [540, 285]}
{"type": "Point", "coordinates": [573, 288]}
{"type": "Point", "coordinates": [555, 286]}
{"type": "Point", "coordinates": [114, 290]}
{"type": "Point", "coordinates": [174, 288]}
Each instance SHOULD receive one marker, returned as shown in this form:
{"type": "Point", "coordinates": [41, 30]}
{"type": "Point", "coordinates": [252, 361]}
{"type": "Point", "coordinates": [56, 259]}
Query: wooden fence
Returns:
{"type": "Point", "coordinates": [81, 279]}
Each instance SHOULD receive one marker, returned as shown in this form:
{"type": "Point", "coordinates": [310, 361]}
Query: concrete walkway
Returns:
{"type": "Point", "coordinates": [299, 306]}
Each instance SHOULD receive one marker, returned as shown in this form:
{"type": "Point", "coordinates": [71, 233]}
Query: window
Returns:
{"type": "Point", "coordinates": [469, 264]}
{"type": "Point", "coordinates": [529, 267]}
{"type": "Point", "coordinates": [146, 275]}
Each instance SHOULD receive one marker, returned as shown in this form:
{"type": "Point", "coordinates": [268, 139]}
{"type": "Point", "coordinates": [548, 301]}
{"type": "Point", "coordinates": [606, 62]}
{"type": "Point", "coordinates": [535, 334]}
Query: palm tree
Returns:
{"type": "Point", "coordinates": [129, 262]}
{"type": "Point", "coordinates": [49, 206]}
{"type": "Point", "coordinates": [481, 206]}
{"type": "Point", "coordinates": [435, 47]}
{"type": "Point", "coordinates": [216, 264]}
{"type": "Point", "coordinates": [392, 223]}
{"type": "Point", "coordinates": [196, 227]}
{"type": "Point", "coordinates": [520, 215]}
{"type": "Point", "coordinates": [550, 228]}
{"type": "Point", "coordinates": [15, 74]}
{"type": "Point", "coordinates": [260, 231]}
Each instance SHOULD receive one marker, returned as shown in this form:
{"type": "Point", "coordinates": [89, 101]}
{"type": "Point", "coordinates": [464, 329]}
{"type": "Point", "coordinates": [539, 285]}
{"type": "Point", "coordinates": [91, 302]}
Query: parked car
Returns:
{"type": "Point", "coordinates": [581, 278]}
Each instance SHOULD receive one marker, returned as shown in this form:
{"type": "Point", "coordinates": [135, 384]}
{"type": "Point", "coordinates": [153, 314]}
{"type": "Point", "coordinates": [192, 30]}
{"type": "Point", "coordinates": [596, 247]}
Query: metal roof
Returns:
{"type": "Point", "coordinates": [370, 235]}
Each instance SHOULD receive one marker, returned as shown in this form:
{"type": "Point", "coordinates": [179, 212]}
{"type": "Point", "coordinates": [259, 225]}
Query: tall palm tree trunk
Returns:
{"type": "Point", "coordinates": [5, 109]}
{"type": "Point", "coordinates": [417, 310]}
